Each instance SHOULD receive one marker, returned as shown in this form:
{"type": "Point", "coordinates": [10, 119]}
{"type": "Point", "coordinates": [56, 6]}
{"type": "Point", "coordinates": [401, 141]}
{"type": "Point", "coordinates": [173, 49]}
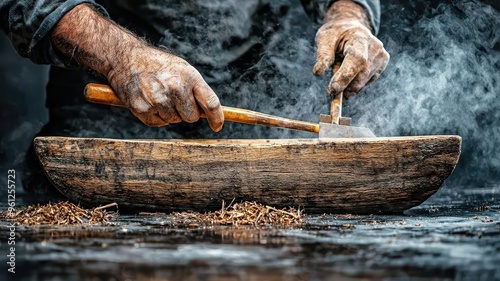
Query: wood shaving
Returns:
{"type": "Point", "coordinates": [62, 213]}
{"type": "Point", "coordinates": [245, 213]}
{"type": "Point", "coordinates": [347, 216]}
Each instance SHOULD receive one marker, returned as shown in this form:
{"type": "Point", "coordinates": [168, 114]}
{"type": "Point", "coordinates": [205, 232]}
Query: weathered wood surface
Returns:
{"type": "Point", "coordinates": [359, 176]}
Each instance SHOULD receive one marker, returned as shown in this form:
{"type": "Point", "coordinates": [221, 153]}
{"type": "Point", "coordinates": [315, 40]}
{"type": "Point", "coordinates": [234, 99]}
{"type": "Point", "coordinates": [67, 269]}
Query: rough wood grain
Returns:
{"type": "Point", "coordinates": [103, 94]}
{"type": "Point", "coordinates": [359, 176]}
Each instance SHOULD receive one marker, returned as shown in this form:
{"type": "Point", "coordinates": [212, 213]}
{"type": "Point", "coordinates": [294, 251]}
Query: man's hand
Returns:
{"type": "Point", "coordinates": [158, 87]}
{"type": "Point", "coordinates": [346, 37]}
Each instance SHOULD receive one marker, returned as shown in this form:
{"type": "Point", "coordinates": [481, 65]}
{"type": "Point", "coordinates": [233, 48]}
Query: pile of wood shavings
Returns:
{"type": "Point", "coordinates": [245, 213]}
{"type": "Point", "coordinates": [62, 213]}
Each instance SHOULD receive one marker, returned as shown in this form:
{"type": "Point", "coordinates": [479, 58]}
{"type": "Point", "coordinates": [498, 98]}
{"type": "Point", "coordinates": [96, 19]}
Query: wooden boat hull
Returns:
{"type": "Point", "coordinates": [358, 176]}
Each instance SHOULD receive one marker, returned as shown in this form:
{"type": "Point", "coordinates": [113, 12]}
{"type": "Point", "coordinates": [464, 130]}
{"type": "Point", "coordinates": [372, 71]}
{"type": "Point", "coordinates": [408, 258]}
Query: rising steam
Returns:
{"type": "Point", "coordinates": [443, 78]}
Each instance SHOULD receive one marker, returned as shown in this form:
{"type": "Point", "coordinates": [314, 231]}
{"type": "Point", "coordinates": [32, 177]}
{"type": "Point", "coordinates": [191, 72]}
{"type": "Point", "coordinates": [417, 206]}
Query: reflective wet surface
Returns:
{"type": "Point", "coordinates": [453, 236]}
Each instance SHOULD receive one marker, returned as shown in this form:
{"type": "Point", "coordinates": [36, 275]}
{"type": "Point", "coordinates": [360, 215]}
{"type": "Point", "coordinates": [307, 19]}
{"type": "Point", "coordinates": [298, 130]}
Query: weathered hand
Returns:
{"type": "Point", "coordinates": [158, 87]}
{"type": "Point", "coordinates": [346, 37]}
{"type": "Point", "coordinates": [161, 89]}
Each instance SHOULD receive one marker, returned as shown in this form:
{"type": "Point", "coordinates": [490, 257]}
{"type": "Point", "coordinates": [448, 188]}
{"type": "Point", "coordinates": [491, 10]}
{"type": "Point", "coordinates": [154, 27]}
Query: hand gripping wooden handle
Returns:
{"type": "Point", "coordinates": [336, 108]}
{"type": "Point", "coordinates": [103, 94]}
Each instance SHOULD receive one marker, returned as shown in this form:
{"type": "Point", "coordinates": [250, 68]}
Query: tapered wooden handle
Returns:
{"type": "Point", "coordinates": [103, 94]}
{"type": "Point", "coordinates": [336, 108]}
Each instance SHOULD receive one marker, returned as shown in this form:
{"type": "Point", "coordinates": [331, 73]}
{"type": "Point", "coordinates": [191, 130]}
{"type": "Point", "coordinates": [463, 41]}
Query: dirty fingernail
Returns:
{"type": "Point", "coordinates": [334, 88]}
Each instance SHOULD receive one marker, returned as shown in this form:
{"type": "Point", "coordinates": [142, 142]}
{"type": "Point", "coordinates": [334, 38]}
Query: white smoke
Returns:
{"type": "Point", "coordinates": [443, 78]}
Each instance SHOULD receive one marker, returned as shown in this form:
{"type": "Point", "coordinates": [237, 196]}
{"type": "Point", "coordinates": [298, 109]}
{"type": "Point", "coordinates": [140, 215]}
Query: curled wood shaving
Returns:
{"type": "Point", "coordinates": [245, 213]}
{"type": "Point", "coordinates": [62, 213]}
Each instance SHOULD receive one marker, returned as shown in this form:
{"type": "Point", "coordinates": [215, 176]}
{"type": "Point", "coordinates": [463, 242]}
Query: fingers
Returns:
{"type": "Point", "coordinates": [162, 105]}
{"type": "Point", "coordinates": [155, 116]}
{"type": "Point", "coordinates": [325, 55]}
{"type": "Point", "coordinates": [147, 100]}
{"type": "Point", "coordinates": [367, 76]}
{"type": "Point", "coordinates": [149, 118]}
{"type": "Point", "coordinates": [355, 62]}
{"type": "Point", "coordinates": [184, 101]}
{"type": "Point", "coordinates": [363, 57]}
{"type": "Point", "coordinates": [168, 113]}
{"type": "Point", "coordinates": [209, 103]}
{"type": "Point", "coordinates": [141, 107]}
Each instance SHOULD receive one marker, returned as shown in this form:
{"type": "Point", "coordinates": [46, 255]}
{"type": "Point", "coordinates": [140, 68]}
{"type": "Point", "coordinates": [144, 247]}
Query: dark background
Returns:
{"type": "Point", "coordinates": [443, 78]}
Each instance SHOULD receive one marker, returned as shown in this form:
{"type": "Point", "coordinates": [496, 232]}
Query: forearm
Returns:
{"type": "Point", "coordinates": [347, 43]}
{"type": "Point", "coordinates": [348, 10]}
{"type": "Point", "coordinates": [84, 36]}
{"type": "Point", "coordinates": [159, 88]}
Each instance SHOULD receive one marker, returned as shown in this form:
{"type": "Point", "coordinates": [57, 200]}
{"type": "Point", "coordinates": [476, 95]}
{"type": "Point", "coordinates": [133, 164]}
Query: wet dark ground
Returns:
{"type": "Point", "coordinates": [453, 236]}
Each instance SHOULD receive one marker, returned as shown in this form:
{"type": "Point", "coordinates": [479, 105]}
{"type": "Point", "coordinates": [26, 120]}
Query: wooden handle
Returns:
{"type": "Point", "coordinates": [103, 94]}
{"type": "Point", "coordinates": [336, 108]}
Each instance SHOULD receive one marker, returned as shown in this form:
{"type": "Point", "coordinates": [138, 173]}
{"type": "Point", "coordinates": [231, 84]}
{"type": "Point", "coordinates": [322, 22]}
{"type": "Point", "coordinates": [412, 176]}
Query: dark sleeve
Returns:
{"type": "Point", "coordinates": [316, 9]}
{"type": "Point", "coordinates": [28, 23]}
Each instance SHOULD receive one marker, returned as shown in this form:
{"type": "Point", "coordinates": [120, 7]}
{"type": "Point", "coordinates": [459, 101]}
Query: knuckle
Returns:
{"type": "Point", "coordinates": [385, 55]}
{"type": "Point", "coordinates": [160, 98]}
{"type": "Point", "coordinates": [175, 87]}
{"type": "Point", "coordinates": [169, 115]}
{"type": "Point", "coordinates": [380, 50]}
{"type": "Point", "coordinates": [213, 103]}
{"type": "Point", "coordinates": [374, 41]}
{"type": "Point", "coordinates": [140, 105]}
{"type": "Point", "coordinates": [190, 73]}
{"type": "Point", "coordinates": [355, 88]}
{"type": "Point", "coordinates": [340, 80]}
{"type": "Point", "coordinates": [361, 57]}
{"type": "Point", "coordinates": [363, 61]}
{"type": "Point", "coordinates": [349, 94]}
{"type": "Point", "coordinates": [358, 56]}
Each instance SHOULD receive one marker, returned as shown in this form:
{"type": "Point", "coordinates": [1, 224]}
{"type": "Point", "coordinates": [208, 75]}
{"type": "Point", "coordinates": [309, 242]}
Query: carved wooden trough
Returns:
{"type": "Point", "coordinates": [358, 176]}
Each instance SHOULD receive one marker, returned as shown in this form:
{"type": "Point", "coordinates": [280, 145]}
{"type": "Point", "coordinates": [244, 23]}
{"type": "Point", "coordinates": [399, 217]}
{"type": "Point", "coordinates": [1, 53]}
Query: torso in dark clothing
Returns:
{"type": "Point", "coordinates": [221, 38]}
